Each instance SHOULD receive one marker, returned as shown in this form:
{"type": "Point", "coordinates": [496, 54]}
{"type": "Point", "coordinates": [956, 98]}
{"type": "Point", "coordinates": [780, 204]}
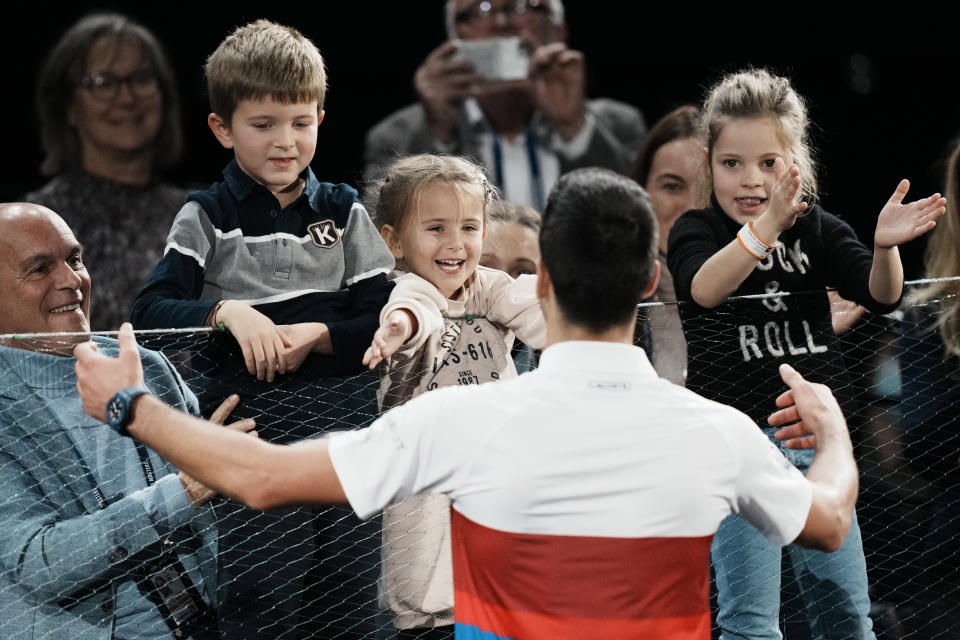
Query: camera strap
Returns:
{"type": "Point", "coordinates": [536, 179]}
{"type": "Point", "coordinates": [166, 584]}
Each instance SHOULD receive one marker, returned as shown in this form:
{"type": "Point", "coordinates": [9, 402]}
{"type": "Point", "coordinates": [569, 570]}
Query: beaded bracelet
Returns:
{"type": "Point", "coordinates": [212, 316]}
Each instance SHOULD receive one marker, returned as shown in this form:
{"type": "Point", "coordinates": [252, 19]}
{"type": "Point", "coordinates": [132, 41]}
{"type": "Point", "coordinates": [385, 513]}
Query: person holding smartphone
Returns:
{"type": "Point", "coordinates": [527, 127]}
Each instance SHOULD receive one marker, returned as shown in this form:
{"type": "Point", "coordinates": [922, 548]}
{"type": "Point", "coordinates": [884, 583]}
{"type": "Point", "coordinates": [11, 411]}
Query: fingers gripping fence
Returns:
{"type": "Point", "coordinates": [83, 527]}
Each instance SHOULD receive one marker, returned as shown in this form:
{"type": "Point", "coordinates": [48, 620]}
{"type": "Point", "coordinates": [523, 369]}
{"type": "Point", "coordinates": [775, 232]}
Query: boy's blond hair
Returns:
{"type": "Point", "coordinates": [264, 59]}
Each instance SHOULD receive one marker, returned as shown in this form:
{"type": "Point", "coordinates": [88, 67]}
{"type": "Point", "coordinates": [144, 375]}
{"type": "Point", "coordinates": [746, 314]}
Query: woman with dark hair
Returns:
{"type": "Point", "coordinates": [109, 122]}
{"type": "Point", "coordinates": [512, 245]}
{"type": "Point", "coordinates": [668, 168]}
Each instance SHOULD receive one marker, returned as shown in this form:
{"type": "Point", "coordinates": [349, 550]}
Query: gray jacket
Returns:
{"type": "Point", "coordinates": [618, 130]}
{"type": "Point", "coordinates": [61, 556]}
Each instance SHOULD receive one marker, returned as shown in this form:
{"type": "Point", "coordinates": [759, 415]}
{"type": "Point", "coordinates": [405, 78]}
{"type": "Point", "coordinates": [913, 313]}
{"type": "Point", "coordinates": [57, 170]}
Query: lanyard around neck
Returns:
{"type": "Point", "coordinates": [536, 180]}
{"type": "Point", "coordinates": [145, 466]}
{"type": "Point", "coordinates": [102, 503]}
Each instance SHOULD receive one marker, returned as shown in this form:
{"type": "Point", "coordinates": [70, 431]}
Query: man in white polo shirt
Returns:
{"type": "Point", "coordinates": [584, 493]}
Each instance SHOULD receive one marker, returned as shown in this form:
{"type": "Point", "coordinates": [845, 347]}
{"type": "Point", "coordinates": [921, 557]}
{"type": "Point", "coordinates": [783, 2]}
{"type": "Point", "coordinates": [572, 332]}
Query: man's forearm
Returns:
{"type": "Point", "coordinates": [260, 474]}
{"type": "Point", "coordinates": [835, 469]}
{"type": "Point", "coordinates": [835, 481]}
{"type": "Point", "coordinates": [811, 409]}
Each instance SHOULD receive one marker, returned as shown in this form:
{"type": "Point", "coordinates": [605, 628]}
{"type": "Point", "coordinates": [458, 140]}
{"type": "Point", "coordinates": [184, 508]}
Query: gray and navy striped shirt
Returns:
{"type": "Point", "coordinates": [319, 259]}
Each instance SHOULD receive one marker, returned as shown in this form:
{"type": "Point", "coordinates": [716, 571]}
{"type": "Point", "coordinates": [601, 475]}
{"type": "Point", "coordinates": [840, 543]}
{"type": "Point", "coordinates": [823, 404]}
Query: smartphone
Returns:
{"type": "Point", "coordinates": [496, 58]}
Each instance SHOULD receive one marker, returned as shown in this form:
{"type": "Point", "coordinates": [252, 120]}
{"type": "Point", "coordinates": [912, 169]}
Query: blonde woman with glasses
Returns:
{"type": "Point", "coordinates": [109, 123]}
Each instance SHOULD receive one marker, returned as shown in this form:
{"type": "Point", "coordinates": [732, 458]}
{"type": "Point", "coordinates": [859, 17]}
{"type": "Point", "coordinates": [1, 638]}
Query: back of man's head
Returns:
{"type": "Point", "coordinates": [598, 241]}
{"type": "Point", "coordinates": [265, 60]}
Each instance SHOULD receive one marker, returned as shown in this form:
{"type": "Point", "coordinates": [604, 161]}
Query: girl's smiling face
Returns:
{"type": "Point", "coordinates": [742, 166]}
{"type": "Point", "coordinates": [441, 239]}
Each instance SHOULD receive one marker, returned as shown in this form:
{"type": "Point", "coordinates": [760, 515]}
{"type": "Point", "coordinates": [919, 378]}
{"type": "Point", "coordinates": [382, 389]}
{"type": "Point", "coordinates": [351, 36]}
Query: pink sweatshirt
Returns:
{"type": "Point", "coordinates": [462, 341]}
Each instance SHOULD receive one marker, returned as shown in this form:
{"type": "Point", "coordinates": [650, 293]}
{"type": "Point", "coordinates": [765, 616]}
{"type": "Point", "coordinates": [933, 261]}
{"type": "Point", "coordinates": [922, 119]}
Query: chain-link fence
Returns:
{"type": "Point", "coordinates": [91, 522]}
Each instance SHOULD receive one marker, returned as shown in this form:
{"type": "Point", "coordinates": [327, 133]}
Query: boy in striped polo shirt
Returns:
{"type": "Point", "coordinates": [296, 272]}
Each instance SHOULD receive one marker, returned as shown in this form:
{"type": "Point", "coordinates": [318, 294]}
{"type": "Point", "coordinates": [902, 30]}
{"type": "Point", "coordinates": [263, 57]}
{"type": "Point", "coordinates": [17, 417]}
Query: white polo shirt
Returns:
{"type": "Point", "coordinates": [585, 493]}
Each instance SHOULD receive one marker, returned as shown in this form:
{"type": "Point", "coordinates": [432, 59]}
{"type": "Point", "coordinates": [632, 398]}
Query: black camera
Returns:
{"type": "Point", "coordinates": [164, 581]}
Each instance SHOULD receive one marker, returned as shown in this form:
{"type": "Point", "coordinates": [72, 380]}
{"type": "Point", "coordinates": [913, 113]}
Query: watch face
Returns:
{"type": "Point", "coordinates": [114, 412]}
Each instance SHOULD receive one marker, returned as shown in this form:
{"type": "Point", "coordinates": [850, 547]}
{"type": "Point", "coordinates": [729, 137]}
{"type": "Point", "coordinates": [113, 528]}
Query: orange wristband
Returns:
{"type": "Point", "coordinates": [752, 243]}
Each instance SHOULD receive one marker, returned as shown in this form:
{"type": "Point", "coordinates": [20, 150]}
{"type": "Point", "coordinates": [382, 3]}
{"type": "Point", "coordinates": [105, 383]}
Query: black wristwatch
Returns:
{"type": "Point", "coordinates": [120, 409]}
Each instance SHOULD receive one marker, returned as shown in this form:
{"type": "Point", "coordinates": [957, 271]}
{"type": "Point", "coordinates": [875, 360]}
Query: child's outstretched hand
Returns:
{"type": "Point", "coordinates": [391, 335]}
{"type": "Point", "coordinates": [899, 223]}
{"type": "Point", "coordinates": [263, 345]}
{"type": "Point", "coordinates": [783, 208]}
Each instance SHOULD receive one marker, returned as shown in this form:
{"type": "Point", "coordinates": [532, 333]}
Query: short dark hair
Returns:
{"type": "Point", "coordinates": [62, 72]}
{"type": "Point", "coordinates": [683, 122]}
{"type": "Point", "coordinates": [598, 240]}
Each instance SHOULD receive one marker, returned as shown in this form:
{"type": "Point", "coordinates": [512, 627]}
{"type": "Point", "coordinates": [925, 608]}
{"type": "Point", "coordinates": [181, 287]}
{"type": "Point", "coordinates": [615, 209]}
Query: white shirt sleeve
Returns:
{"type": "Point", "coordinates": [770, 493]}
{"type": "Point", "coordinates": [414, 448]}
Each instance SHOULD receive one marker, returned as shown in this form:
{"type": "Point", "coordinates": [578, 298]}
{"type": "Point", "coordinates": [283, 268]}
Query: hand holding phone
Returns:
{"type": "Point", "coordinates": [443, 82]}
{"type": "Point", "coordinates": [496, 59]}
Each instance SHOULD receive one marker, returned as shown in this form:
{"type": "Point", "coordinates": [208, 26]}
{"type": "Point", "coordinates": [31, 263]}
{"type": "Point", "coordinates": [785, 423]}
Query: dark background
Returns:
{"type": "Point", "coordinates": [880, 87]}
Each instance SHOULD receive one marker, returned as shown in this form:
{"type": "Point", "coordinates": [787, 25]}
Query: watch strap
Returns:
{"type": "Point", "coordinates": [120, 408]}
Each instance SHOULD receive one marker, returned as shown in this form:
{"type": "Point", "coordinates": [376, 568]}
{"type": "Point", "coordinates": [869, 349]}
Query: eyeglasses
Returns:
{"type": "Point", "coordinates": [484, 11]}
{"type": "Point", "coordinates": [105, 87]}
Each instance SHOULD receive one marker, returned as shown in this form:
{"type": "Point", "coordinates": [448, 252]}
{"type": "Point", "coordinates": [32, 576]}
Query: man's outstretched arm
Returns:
{"type": "Point", "coordinates": [818, 422]}
{"type": "Point", "coordinates": [260, 474]}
